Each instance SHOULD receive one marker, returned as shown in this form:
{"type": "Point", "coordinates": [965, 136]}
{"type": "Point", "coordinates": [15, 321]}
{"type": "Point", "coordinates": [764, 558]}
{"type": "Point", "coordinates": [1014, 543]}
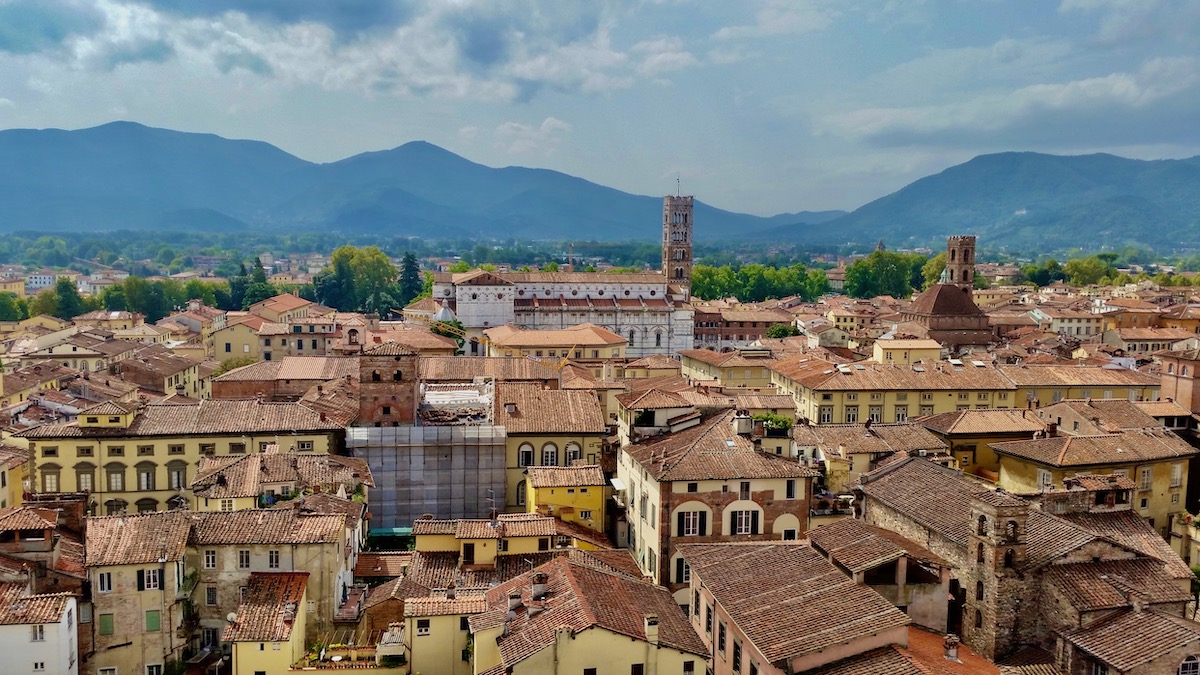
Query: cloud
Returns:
{"type": "Point", "coordinates": [468, 133]}
{"type": "Point", "coordinates": [523, 139]}
{"type": "Point", "coordinates": [7, 103]}
{"type": "Point", "coordinates": [30, 26]}
{"type": "Point", "coordinates": [343, 16]}
{"type": "Point", "coordinates": [1124, 22]}
{"type": "Point", "coordinates": [661, 55]}
{"type": "Point", "coordinates": [782, 17]}
{"type": "Point", "coordinates": [1072, 112]}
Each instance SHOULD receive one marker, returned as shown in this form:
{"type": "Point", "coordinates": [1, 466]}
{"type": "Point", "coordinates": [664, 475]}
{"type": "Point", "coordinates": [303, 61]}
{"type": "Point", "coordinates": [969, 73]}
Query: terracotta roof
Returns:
{"type": "Point", "coordinates": [990, 421]}
{"type": "Point", "coordinates": [654, 362]}
{"type": "Point", "coordinates": [27, 518]}
{"type": "Point", "coordinates": [858, 546]}
{"type": "Point", "coordinates": [787, 599]}
{"type": "Point", "coordinates": [565, 476]}
{"type": "Point", "coordinates": [824, 375]}
{"type": "Point", "coordinates": [136, 539]}
{"type": "Point", "coordinates": [1155, 334]}
{"type": "Point", "coordinates": [467, 368]}
{"type": "Point", "coordinates": [268, 608]}
{"type": "Point", "coordinates": [1162, 408]}
{"type": "Point", "coordinates": [429, 526]}
{"type": "Point", "coordinates": [544, 411]}
{"type": "Point", "coordinates": [1094, 586]}
{"type": "Point", "coordinates": [283, 302]}
{"type": "Point", "coordinates": [11, 455]}
{"type": "Point", "coordinates": [880, 661]}
{"type": "Point", "coordinates": [711, 451]}
{"type": "Point", "coordinates": [321, 368]}
{"type": "Point", "coordinates": [208, 417]}
{"type": "Point", "coordinates": [579, 597]}
{"type": "Point", "coordinates": [943, 300]}
{"type": "Point", "coordinates": [877, 439]}
{"type": "Point", "coordinates": [382, 564]}
{"type": "Point", "coordinates": [1105, 415]}
{"type": "Point", "coordinates": [355, 512]}
{"type": "Point", "coordinates": [1127, 639]}
{"type": "Point", "coordinates": [1129, 447]}
{"type": "Point", "coordinates": [1135, 533]}
{"type": "Point", "coordinates": [1029, 661]}
{"type": "Point", "coordinates": [781, 402]}
{"type": "Point", "coordinates": [651, 399]}
{"type": "Point", "coordinates": [264, 526]}
{"type": "Point", "coordinates": [17, 608]}
{"type": "Point", "coordinates": [228, 477]}
{"type": "Point", "coordinates": [413, 337]}
{"type": "Point", "coordinates": [389, 349]}
{"type": "Point", "coordinates": [1075, 376]}
{"type": "Point", "coordinates": [443, 606]}
{"type": "Point", "coordinates": [580, 335]}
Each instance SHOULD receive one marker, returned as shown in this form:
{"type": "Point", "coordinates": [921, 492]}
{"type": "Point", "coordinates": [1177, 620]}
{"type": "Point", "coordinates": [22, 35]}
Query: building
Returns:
{"type": "Point", "coordinates": [143, 458]}
{"type": "Point", "coordinates": [38, 632]}
{"type": "Point", "coordinates": [259, 480]}
{"type": "Point", "coordinates": [851, 450]}
{"type": "Point", "coordinates": [577, 494]}
{"type": "Point", "coordinates": [583, 342]}
{"type": "Point", "coordinates": [707, 483]}
{"type": "Point", "coordinates": [678, 226]}
{"type": "Point", "coordinates": [438, 632]}
{"type": "Point", "coordinates": [906, 352]}
{"type": "Point", "coordinates": [741, 369]}
{"type": "Point", "coordinates": [137, 568]}
{"type": "Point", "coordinates": [726, 325]}
{"type": "Point", "coordinates": [945, 310]}
{"type": "Point", "coordinates": [14, 471]}
{"type": "Point", "coordinates": [568, 616]}
{"type": "Point", "coordinates": [268, 631]}
{"type": "Point", "coordinates": [286, 379]}
{"type": "Point", "coordinates": [969, 434]}
{"type": "Point", "coordinates": [282, 308]}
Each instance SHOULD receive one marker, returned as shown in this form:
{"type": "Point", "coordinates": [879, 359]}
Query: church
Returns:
{"type": "Point", "coordinates": [650, 309]}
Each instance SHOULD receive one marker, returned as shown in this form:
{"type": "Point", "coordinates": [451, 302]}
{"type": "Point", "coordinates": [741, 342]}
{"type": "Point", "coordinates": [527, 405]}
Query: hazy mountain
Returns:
{"type": "Point", "coordinates": [124, 175]}
{"type": "Point", "coordinates": [1033, 201]}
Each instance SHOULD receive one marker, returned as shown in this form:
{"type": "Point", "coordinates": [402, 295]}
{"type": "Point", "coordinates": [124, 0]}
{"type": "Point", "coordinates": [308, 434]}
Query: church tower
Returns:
{"type": "Point", "coordinates": [677, 240]}
{"type": "Point", "coordinates": [994, 580]}
{"type": "Point", "coordinates": [960, 262]}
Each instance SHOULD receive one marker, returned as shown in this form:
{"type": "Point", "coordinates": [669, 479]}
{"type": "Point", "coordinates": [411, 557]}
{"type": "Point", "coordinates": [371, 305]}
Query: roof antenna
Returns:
{"type": "Point", "coordinates": [676, 183]}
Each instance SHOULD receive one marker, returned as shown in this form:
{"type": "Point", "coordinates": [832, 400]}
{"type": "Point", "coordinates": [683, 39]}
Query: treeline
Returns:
{"type": "Point", "coordinates": [754, 283]}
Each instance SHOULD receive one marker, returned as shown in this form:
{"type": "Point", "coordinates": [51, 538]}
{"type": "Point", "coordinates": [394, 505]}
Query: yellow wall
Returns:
{"type": "Point", "coordinates": [272, 657]}
{"type": "Point", "coordinates": [569, 503]}
{"type": "Point", "coordinates": [607, 652]}
{"type": "Point", "coordinates": [1048, 395]}
{"type": "Point", "coordinates": [14, 286]}
{"type": "Point", "coordinates": [242, 341]}
{"type": "Point", "coordinates": [589, 445]}
{"type": "Point", "coordinates": [128, 607]}
{"type": "Point", "coordinates": [905, 355]}
{"type": "Point", "coordinates": [441, 650]}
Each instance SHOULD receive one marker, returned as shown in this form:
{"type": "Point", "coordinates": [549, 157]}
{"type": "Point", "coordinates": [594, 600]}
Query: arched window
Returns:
{"type": "Point", "coordinates": [521, 493]}
{"type": "Point", "coordinates": [979, 590]}
{"type": "Point", "coordinates": [1170, 368]}
{"type": "Point", "coordinates": [549, 455]}
{"type": "Point", "coordinates": [1190, 666]}
{"type": "Point", "coordinates": [951, 255]}
{"type": "Point", "coordinates": [978, 619]}
{"type": "Point", "coordinates": [115, 507]}
{"type": "Point", "coordinates": [981, 530]}
{"type": "Point", "coordinates": [574, 452]}
{"type": "Point", "coordinates": [1010, 531]}
{"type": "Point", "coordinates": [396, 376]}
{"type": "Point", "coordinates": [375, 376]}
{"type": "Point", "coordinates": [979, 553]}
{"type": "Point", "coordinates": [630, 336]}
{"type": "Point", "coordinates": [525, 455]}
{"type": "Point", "coordinates": [1010, 557]}
{"type": "Point", "coordinates": [146, 505]}
{"type": "Point", "coordinates": [658, 339]}
{"type": "Point", "coordinates": [353, 335]}
{"type": "Point", "coordinates": [1183, 371]}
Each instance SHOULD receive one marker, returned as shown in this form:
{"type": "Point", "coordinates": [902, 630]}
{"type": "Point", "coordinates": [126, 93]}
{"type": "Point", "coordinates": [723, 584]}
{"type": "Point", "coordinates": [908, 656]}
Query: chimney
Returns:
{"type": "Point", "coordinates": [510, 408]}
{"type": "Point", "coordinates": [950, 643]}
{"type": "Point", "coordinates": [514, 601]}
{"type": "Point", "coordinates": [538, 587]}
{"type": "Point", "coordinates": [742, 423]}
{"type": "Point", "coordinates": [650, 622]}
{"type": "Point", "coordinates": [1051, 429]}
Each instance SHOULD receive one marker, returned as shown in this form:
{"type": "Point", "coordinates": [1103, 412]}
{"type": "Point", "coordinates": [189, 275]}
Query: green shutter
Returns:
{"type": "Point", "coordinates": [152, 620]}
{"type": "Point", "coordinates": [106, 624]}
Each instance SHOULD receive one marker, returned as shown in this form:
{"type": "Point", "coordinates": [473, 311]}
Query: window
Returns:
{"type": "Point", "coordinates": [50, 481]}
{"type": "Point", "coordinates": [689, 668]}
{"type": "Point", "coordinates": [145, 476]}
{"type": "Point", "coordinates": [226, 505]}
{"type": "Point", "coordinates": [1101, 669]}
{"type": "Point", "coordinates": [708, 619]}
{"type": "Point", "coordinates": [875, 413]}
{"type": "Point", "coordinates": [691, 523]}
{"type": "Point", "coordinates": [304, 446]}
{"type": "Point", "coordinates": [745, 522]}
{"type": "Point", "coordinates": [637, 669]}
{"type": "Point", "coordinates": [1176, 475]}
{"type": "Point", "coordinates": [49, 452]}
{"type": "Point", "coordinates": [737, 656]}
{"type": "Point", "coordinates": [901, 413]}
{"type": "Point", "coordinates": [544, 544]}
{"type": "Point", "coordinates": [851, 414]}
{"type": "Point", "coordinates": [273, 560]}
{"type": "Point", "coordinates": [39, 633]}
{"type": "Point", "coordinates": [521, 493]}
{"type": "Point", "coordinates": [422, 626]}
{"type": "Point", "coordinates": [84, 451]}
{"type": "Point", "coordinates": [145, 450]}
{"type": "Point", "coordinates": [148, 580]}
{"type": "Point", "coordinates": [209, 636]}
{"type": "Point", "coordinates": [243, 559]}
{"type": "Point", "coordinates": [791, 488]}
{"type": "Point", "coordinates": [585, 515]}
{"type": "Point", "coordinates": [744, 490]}
{"type": "Point", "coordinates": [826, 414]}
{"type": "Point", "coordinates": [573, 452]}
{"type": "Point", "coordinates": [693, 487]}
{"type": "Point", "coordinates": [208, 448]}
{"type": "Point", "coordinates": [210, 559]}
{"type": "Point", "coordinates": [525, 455]}
{"type": "Point", "coordinates": [789, 534]}
{"type": "Point", "coordinates": [1045, 479]}
{"type": "Point", "coordinates": [176, 475]}
{"type": "Point", "coordinates": [152, 620]}
{"type": "Point", "coordinates": [1146, 478]}
{"type": "Point", "coordinates": [237, 448]}
{"type": "Point", "coordinates": [107, 671]}
{"type": "Point", "coordinates": [210, 595]}
{"type": "Point", "coordinates": [589, 671]}
{"type": "Point", "coordinates": [154, 669]}
{"type": "Point", "coordinates": [696, 603]}
{"type": "Point", "coordinates": [106, 625]}
{"type": "Point", "coordinates": [549, 455]}
{"type": "Point", "coordinates": [1190, 666]}
{"type": "Point", "coordinates": [104, 582]}
{"type": "Point", "coordinates": [116, 451]}
{"type": "Point", "coordinates": [721, 637]}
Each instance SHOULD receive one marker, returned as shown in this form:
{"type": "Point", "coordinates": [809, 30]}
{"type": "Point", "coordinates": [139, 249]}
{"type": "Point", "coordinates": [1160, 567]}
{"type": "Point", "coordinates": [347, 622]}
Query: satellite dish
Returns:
{"type": "Point", "coordinates": [231, 617]}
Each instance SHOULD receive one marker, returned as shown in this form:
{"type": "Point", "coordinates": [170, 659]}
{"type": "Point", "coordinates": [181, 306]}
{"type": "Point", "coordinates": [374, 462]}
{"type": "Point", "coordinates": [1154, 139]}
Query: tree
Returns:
{"type": "Point", "coordinates": [256, 292]}
{"type": "Point", "coordinates": [931, 271]}
{"type": "Point", "coordinates": [410, 278]}
{"type": "Point", "coordinates": [68, 304]}
{"type": "Point", "coordinates": [45, 302]}
{"type": "Point", "coordinates": [884, 273]}
{"type": "Point", "coordinates": [235, 362]}
{"type": "Point", "coordinates": [980, 282]}
{"type": "Point", "coordinates": [11, 308]}
{"type": "Point", "coordinates": [1085, 271]}
{"type": "Point", "coordinates": [782, 330]}
{"type": "Point", "coordinates": [460, 267]}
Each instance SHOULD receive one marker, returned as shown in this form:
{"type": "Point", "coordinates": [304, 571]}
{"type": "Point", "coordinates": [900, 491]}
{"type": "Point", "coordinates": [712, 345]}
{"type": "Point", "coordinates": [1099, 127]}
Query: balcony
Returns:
{"type": "Point", "coordinates": [351, 609]}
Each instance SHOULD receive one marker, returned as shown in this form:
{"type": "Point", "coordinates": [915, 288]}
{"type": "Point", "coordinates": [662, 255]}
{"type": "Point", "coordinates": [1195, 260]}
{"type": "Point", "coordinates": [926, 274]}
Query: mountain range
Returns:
{"type": "Point", "coordinates": [125, 175]}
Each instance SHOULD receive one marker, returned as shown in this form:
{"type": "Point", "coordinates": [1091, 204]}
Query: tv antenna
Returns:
{"type": "Point", "coordinates": [676, 183]}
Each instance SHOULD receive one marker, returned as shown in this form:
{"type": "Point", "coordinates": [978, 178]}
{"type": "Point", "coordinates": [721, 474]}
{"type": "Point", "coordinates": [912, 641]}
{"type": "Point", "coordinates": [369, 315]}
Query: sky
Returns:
{"type": "Point", "coordinates": [756, 106]}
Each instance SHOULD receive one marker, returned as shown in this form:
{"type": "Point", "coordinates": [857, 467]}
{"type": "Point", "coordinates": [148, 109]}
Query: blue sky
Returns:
{"type": "Point", "coordinates": [757, 106]}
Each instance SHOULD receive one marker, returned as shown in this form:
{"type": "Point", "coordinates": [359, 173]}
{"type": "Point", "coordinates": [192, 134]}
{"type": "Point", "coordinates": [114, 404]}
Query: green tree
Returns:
{"type": "Point", "coordinates": [11, 308]}
{"type": "Point", "coordinates": [235, 362]}
{"type": "Point", "coordinates": [257, 291]}
{"type": "Point", "coordinates": [410, 278]}
{"type": "Point", "coordinates": [782, 330]}
{"type": "Point", "coordinates": [1085, 271]}
{"type": "Point", "coordinates": [884, 273]}
{"type": "Point", "coordinates": [460, 267]}
{"type": "Point", "coordinates": [455, 332]}
{"type": "Point", "coordinates": [68, 304]}
{"type": "Point", "coordinates": [931, 271]}
{"type": "Point", "coordinates": [45, 302]}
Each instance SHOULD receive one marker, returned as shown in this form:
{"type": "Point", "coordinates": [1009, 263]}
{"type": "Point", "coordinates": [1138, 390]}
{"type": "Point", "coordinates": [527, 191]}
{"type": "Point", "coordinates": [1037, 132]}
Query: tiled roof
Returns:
{"type": "Point", "coordinates": [382, 564]}
{"type": "Point", "coordinates": [1051, 537]}
{"type": "Point", "coordinates": [711, 451]}
{"type": "Point", "coordinates": [781, 402]}
{"type": "Point", "coordinates": [428, 526]}
{"type": "Point", "coordinates": [875, 439]}
{"type": "Point", "coordinates": [1129, 638]}
{"type": "Point", "coordinates": [944, 300]}
{"type": "Point", "coordinates": [580, 335]}
{"type": "Point", "coordinates": [209, 417]}
{"type": "Point", "coordinates": [17, 608]}
{"type": "Point", "coordinates": [654, 362]}
{"type": "Point", "coordinates": [227, 477]}
{"type": "Point", "coordinates": [880, 661]}
{"type": "Point", "coordinates": [787, 599]}
{"type": "Point", "coordinates": [651, 399]}
{"type": "Point", "coordinates": [1075, 376]}
{"type": "Point", "coordinates": [264, 526]}
{"type": "Point", "coordinates": [824, 375]}
{"type": "Point", "coordinates": [321, 368]}
{"type": "Point", "coordinates": [1094, 586]}
{"type": "Point", "coordinates": [136, 539]}
{"type": "Point", "coordinates": [467, 368]}
{"type": "Point", "coordinates": [1135, 533]}
{"type": "Point", "coordinates": [328, 504]}
{"type": "Point", "coordinates": [27, 518]}
{"type": "Point", "coordinates": [565, 476]}
{"type": "Point", "coordinates": [414, 337]}
{"type": "Point", "coordinates": [11, 455]}
{"type": "Point", "coordinates": [580, 597]}
{"type": "Point", "coordinates": [1107, 415]}
{"type": "Point", "coordinates": [1124, 448]}
{"type": "Point", "coordinates": [389, 349]}
{"type": "Point", "coordinates": [268, 608]}
{"type": "Point", "coordinates": [1029, 661]}
{"type": "Point", "coordinates": [990, 421]}
{"type": "Point", "coordinates": [858, 546]}
{"type": "Point", "coordinates": [1162, 408]}
{"type": "Point", "coordinates": [443, 606]}
{"type": "Point", "coordinates": [535, 410]}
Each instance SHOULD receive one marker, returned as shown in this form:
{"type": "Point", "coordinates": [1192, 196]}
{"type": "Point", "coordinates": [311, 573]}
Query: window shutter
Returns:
{"type": "Point", "coordinates": [141, 580]}
{"type": "Point", "coordinates": [679, 570]}
{"type": "Point", "coordinates": [679, 523]}
{"type": "Point", "coordinates": [754, 522]}
{"type": "Point", "coordinates": [703, 524]}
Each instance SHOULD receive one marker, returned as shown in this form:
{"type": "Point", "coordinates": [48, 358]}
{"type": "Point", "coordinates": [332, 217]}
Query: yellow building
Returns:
{"type": "Point", "coordinates": [745, 369]}
{"type": "Point", "coordinates": [970, 434]}
{"type": "Point", "coordinates": [16, 286]}
{"type": "Point", "coordinates": [14, 469]}
{"type": "Point", "coordinates": [259, 480]}
{"type": "Point", "coordinates": [18, 386]}
{"type": "Point", "coordinates": [143, 458]}
{"type": "Point", "coordinates": [1043, 385]}
{"type": "Point", "coordinates": [575, 494]}
{"type": "Point", "coordinates": [546, 427]}
{"type": "Point", "coordinates": [582, 342]}
{"type": "Point", "coordinates": [1156, 461]}
{"type": "Point", "coordinates": [437, 632]}
{"type": "Point", "coordinates": [905, 352]}
{"type": "Point", "coordinates": [654, 365]}
{"type": "Point", "coordinates": [109, 320]}
{"type": "Point", "coordinates": [268, 633]}
{"type": "Point", "coordinates": [851, 450]}
{"type": "Point", "coordinates": [144, 333]}
{"type": "Point", "coordinates": [281, 308]}
{"type": "Point", "coordinates": [480, 543]}
{"type": "Point", "coordinates": [136, 568]}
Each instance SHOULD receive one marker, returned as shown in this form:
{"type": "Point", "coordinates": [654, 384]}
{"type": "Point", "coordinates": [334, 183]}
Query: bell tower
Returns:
{"type": "Point", "coordinates": [960, 261]}
{"type": "Point", "coordinates": [994, 579]}
{"type": "Point", "coordinates": [677, 240]}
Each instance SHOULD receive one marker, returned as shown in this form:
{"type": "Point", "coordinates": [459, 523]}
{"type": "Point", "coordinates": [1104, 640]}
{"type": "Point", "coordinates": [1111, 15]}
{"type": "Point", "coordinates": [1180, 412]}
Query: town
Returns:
{"type": "Point", "coordinates": [597, 472]}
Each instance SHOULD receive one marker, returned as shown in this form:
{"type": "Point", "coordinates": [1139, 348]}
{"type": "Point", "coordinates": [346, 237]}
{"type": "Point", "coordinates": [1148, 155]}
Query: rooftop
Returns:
{"type": "Point", "coordinates": [267, 612]}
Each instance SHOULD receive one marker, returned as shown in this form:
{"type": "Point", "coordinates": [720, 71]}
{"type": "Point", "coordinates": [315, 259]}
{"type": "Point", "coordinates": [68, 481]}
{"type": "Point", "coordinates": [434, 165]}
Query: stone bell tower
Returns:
{"type": "Point", "coordinates": [994, 580]}
{"type": "Point", "coordinates": [677, 240]}
{"type": "Point", "coordinates": [960, 261]}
